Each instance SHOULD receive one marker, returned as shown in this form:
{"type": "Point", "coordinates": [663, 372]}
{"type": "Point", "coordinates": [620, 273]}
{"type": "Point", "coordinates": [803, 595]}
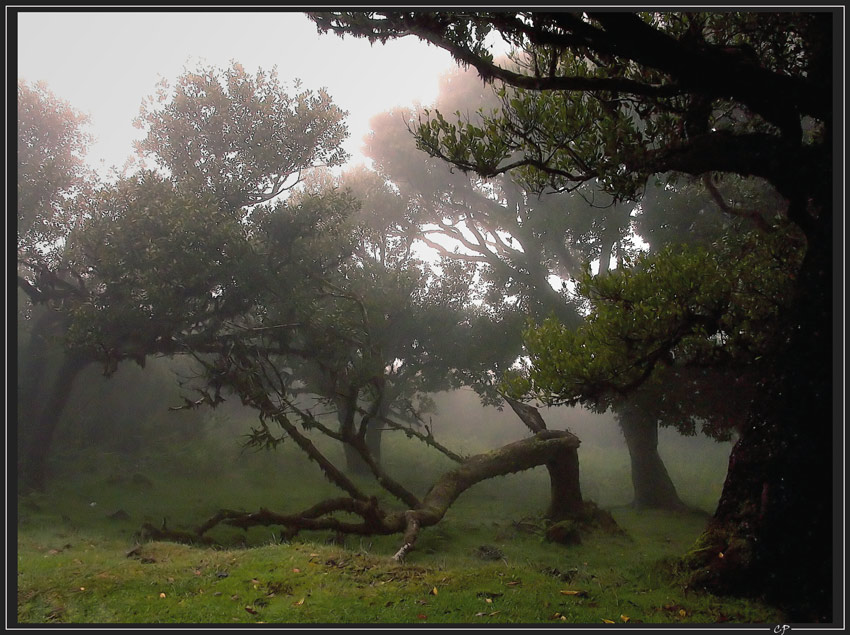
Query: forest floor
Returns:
{"type": "Point", "coordinates": [487, 562]}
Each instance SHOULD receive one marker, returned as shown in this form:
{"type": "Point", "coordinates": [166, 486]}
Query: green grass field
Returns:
{"type": "Point", "coordinates": [485, 563]}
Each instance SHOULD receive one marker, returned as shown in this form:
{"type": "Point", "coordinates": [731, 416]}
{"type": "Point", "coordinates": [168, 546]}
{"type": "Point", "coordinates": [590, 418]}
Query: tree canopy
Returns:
{"type": "Point", "coordinates": [667, 313]}
{"type": "Point", "coordinates": [312, 296]}
{"type": "Point", "coordinates": [244, 139]}
{"type": "Point", "coordinates": [622, 96]}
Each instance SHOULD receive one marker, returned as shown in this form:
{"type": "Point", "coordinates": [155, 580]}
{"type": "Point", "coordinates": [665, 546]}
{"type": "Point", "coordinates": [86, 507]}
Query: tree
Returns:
{"type": "Point", "coordinates": [258, 299]}
{"type": "Point", "coordinates": [273, 298]}
{"type": "Point", "coordinates": [519, 242]}
{"type": "Point", "coordinates": [417, 318]}
{"type": "Point", "coordinates": [51, 188]}
{"type": "Point", "coordinates": [243, 139]}
{"type": "Point", "coordinates": [618, 97]}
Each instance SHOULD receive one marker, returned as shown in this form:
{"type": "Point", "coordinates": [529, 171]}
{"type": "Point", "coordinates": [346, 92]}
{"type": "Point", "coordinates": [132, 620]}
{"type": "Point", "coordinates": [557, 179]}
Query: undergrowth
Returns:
{"type": "Point", "coordinates": [78, 561]}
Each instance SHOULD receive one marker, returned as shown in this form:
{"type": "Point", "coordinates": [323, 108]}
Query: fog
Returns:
{"type": "Point", "coordinates": [697, 465]}
{"type": "Point", "coordinates": [116, 427]}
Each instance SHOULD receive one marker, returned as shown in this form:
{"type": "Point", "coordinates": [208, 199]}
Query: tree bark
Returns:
{"type": "Point", "coordinates": [33, 367]}
{"type": "Point", "coordinates": [653, 488]}
{"type": "Point", "coordinates": [522, 455]}
{"type": "Point", "coordinates": [565, 499]}
{"type": "Point", "coordinates": [354, 462]}
{"type": "Point", "coordinates": [773, 531]}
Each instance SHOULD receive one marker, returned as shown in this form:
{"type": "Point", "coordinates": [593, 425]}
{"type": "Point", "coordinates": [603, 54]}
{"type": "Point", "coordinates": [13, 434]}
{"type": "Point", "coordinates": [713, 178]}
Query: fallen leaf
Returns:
{"type": "Point", "coordinates": [572, 592]}
{"type": "Point", "coordinates": [162, 595]}
{"type": "Point", "coordinates": [625, 618]}
{"type": "Point", "coordinates": [433, 591]}
{"type": "Point", "coordinates": [250, 610]}
{"type": "Point", "coordinates": [422, 616]}
{"type": "Point", "coordinates": [608, 621]}
{"type": "Point", "coordinates": [488, 600]}
{"type": "Point", "coordinates": [299, 602]}
{"type": "Point", "coordinates": [296, 571]}
{"type": "Point", "coordinates": [683, 612]}
{"type": "Point", "coordinates": [513, 583]}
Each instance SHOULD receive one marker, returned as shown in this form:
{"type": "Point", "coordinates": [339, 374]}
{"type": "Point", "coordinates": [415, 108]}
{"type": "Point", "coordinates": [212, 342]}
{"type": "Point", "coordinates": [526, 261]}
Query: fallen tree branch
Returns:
{"type": "Point", "coordinates": [541, 449]}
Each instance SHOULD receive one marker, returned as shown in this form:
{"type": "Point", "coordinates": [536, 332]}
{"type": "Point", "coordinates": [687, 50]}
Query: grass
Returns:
{"type": "Point", "coordinates": [481, 565]}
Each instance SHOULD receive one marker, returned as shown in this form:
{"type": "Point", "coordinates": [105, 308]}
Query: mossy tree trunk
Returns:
{"type": "Point", "coordinates": [564, 478]}
{"type": "Point", "coordinates": [564, 485]}
{"type": "Point", "coordinates": [541, 449]}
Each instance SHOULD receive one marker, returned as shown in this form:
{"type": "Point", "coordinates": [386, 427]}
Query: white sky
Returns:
{"type": "Point", "coordinates": [105, 63]}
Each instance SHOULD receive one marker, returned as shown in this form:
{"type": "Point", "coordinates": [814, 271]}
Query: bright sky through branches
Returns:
{"type": "Point", "coordinates": [105, 63]}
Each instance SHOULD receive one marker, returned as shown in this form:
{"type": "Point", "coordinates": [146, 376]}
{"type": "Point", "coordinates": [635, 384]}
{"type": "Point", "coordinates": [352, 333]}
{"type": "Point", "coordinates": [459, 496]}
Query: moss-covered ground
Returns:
{"type": "Point", "coordinates": [77, 561]}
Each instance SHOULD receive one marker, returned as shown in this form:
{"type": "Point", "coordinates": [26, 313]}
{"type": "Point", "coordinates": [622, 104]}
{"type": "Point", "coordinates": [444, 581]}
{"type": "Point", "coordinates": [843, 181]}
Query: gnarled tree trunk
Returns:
{"type": "Point", "coordinates": [545, 447]}
{"type": "Point", "coordinates": [564, 479]}
{"type": "Point", "coordinates": [774, 529]}
{"type": "Point", "coordinates": [522, 455]}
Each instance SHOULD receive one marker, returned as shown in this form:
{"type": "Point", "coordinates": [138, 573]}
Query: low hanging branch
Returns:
{"type": "Point", "coordinates": [541, 449]}
{"type": "Point", "coordinates": [256, 383]}
{"type": "Point", "coordinates": [518, 456]}
{"type": "Point", "coordinates": [427, 439]}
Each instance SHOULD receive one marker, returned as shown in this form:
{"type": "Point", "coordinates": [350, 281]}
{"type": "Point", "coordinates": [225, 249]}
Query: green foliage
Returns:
{"type": "Point", "coordinates": [316, 294]}
{"type": "Point", "coordinates": [165, 262]}
{"type": "Point", "coordinates": [243, 138]}
{"type": "Point", "coordinates": [52, 141]}
{"type": "Point", "coordinates": [517, 240]}
{"type": "Point", "coordinates": [676, 308]}
{"type": "Point", "coordinates": [617, 97]}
